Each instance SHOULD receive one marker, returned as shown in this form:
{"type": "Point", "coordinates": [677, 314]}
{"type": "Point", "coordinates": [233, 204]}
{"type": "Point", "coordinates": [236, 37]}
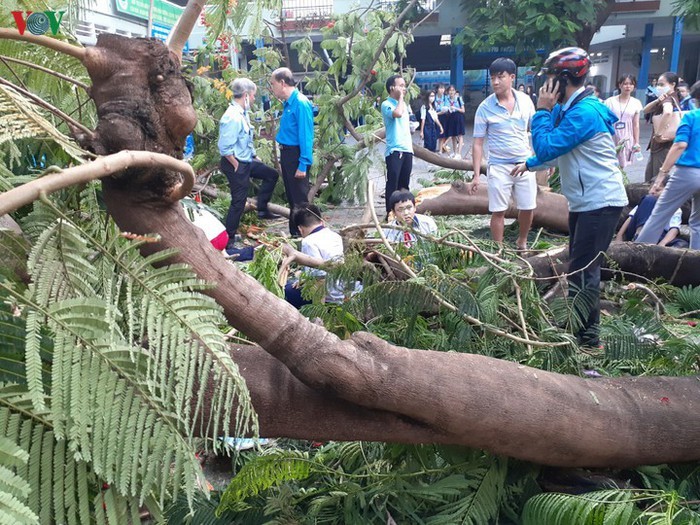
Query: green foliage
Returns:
{"type": "Point", "coordinates": [118, 358]}
{"type": "Point", "coordinates": [689, 10]}
{"type": "Point", "coordinates": [264, 269]}
{"type": "Point", "coordinates": [265, 471]}
{"type": "Point", "coordinates": [527, 25]}
{"type": "Point", "coordinates": [614, 506]}
{"type": "Point", "coordinates": [688, 299]}
{"type": "Point", "coordinates": [14, 489]}
{"type": "Point", "coordinates": [360, 483]}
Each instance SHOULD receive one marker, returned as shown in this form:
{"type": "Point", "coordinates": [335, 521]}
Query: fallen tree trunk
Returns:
{"type": "Point", "coordinates": [650, 261]}
{"type": "Point", "coordinates": [552, 209]}
{"type": "Point", "coordinates": [481, 402]}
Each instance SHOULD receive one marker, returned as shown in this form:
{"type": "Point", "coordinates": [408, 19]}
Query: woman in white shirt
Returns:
{"type": "Point", "coordinates": [627, 109]}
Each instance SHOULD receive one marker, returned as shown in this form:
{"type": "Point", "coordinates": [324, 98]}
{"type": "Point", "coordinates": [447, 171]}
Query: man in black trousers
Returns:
{"type": "Point", "coordinates": [238, 160]}
{"type": "Point", "coordinates": [295, 138]}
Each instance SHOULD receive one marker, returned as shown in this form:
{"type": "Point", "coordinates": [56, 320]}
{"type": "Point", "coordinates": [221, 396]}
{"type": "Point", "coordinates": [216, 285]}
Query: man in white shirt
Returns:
{"type": "Point", "coordinates": [504, 118]}
{"type": "Point", "coordinates": [319, 246]}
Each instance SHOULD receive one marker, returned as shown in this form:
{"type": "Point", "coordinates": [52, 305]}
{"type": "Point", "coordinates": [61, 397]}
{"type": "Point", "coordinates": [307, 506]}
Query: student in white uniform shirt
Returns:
{"type": "Point", "coordinates": [503, 118]}
{"type": "Point", "coordinates": [403, 205]}
{"type": "Point", "coordinates": [319, 246]}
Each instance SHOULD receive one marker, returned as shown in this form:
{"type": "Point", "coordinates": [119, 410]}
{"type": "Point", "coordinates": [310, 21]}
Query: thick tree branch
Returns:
{"type": "Point", "coordinates": [103, 167]}
{"type": "Point", "coordinates": [183, 27]}
{"type": "Point", "coordinates": [288, 408]}
{"type": "Point", "coordinates": [501, 406]}
{"type": "Point", "coordinates": [51, 43]}
{"type": "Point", "coordinates": [552, 210]}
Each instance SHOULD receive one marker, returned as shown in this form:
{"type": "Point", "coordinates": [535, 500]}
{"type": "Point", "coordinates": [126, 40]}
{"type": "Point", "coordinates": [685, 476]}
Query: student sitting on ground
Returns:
{"type": "Point", "coordinates": [320, 245]}
{"type": "Point", "coordinates": [638, 217]}
{"type": "Point", "coordinates": [403, 204]}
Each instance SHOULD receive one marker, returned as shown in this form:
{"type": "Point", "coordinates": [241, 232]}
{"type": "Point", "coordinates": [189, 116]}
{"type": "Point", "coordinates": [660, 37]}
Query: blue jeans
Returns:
{"type": "Point", "coordinates": [590, 233]}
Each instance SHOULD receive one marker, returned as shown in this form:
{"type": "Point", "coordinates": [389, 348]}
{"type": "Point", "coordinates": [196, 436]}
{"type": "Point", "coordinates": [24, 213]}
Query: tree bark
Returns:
{"type": "Point", "coordinates": [650, 261]}
{"type": "Point", "coordinates": [482, 402]}
{"type": "Point", "coordinates": [552, 209]}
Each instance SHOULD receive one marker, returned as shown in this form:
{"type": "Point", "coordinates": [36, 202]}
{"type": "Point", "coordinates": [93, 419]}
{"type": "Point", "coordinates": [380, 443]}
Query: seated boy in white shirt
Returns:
{"type": "Point", "coordinates": [320, 245]}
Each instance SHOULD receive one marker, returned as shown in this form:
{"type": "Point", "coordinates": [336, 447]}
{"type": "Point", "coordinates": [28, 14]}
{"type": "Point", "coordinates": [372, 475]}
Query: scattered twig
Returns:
{"type": "Point", "coordinates": [521, 315]}
{"type": "Point", "coordinates": [658, 303]}
{"type": "Point", "coordinates": [46, 70]}
{"type": "Point", "coordinates": [678, 267]}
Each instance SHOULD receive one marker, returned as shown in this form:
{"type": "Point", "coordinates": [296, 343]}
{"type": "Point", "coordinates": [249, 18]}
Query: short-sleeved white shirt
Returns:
{"type": "Point", "coordinates": [325, 244]}
{"type": "Point", "coordinates": [506, 132]}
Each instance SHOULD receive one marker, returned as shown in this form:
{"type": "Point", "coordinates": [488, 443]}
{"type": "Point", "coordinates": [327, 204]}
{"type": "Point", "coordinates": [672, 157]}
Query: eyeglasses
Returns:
{"type": "Point", "coordinates": [402, 209]}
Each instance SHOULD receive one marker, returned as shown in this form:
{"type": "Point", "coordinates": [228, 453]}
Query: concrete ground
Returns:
{"type": "Point", "coordinates": [345, 214]}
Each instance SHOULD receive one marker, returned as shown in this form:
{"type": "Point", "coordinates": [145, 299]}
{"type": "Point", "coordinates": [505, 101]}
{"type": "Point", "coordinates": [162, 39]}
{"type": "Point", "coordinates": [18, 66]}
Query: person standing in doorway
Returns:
{"type": "Point", "coordinates": [399, 145]}
{"type": "Point", "coordinates": [574, 128]}
{"type": "Point", "coordinates": [238, 160]}
{"type": "Point", "coordinates": [504, 119]}
{"type": "Point", "coordinates": [296, 140]}
{"type": "Point", "coordinates": [627, 109]}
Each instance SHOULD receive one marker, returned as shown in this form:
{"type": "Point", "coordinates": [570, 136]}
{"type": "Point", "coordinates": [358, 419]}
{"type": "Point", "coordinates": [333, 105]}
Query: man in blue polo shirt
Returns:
{"type": "Point", "coordinates": [399, 145]}
{"type": "Point", "coordinates": [238, 160]}
{"type": "Point", "coordinates": [504, 118]}
{"type": "Point", "coordinates": [296, 140]}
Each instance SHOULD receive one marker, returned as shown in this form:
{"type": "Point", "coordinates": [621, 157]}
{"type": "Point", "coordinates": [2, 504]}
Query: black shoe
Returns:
{"type": "Point", "coordinates": [267, 215]}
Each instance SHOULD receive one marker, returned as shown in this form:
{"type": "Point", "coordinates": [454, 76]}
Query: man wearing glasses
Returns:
{"type": "Point", "coordinates": [295, 138]}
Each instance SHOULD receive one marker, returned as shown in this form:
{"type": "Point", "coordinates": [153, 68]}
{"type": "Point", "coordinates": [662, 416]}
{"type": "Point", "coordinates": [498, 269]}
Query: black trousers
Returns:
{"type": "Point", "coordinates": [590, 233]}
{"type": "Point", "coordinates": [297, 190]}
{"type": "Point", "coordinates": [398, 173]}
{"type": "Point", "coordinates": [239, 181]}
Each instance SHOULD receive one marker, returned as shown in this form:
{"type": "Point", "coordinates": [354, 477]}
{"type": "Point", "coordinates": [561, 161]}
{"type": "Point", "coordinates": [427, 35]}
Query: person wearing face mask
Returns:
{"type": "Point", "coordinates": [430, 126]}
{"type": "Point", "coordinates": [666, 103]}
{"type": "Point", "coordinates": [574, 129]}
{"type": "Point", "coordinates": [238, 160]}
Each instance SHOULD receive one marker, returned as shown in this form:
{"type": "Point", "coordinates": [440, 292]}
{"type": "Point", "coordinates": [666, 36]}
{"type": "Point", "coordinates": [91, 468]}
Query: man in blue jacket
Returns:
{"type": "Point", "coordinates": [575, 130]}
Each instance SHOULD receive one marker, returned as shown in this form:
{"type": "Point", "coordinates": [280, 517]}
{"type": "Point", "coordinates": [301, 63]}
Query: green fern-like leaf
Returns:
{"type": "Point", "coordinates": [480, 503]}
{"type": "Point", "coordinates": [688, 299]}
{"type": "Point", "coordinates": [614, 507]}
{"type": "Point", "coordinates": [14, 489]}
{"type": "Point", "coordinates": [263, 472]}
